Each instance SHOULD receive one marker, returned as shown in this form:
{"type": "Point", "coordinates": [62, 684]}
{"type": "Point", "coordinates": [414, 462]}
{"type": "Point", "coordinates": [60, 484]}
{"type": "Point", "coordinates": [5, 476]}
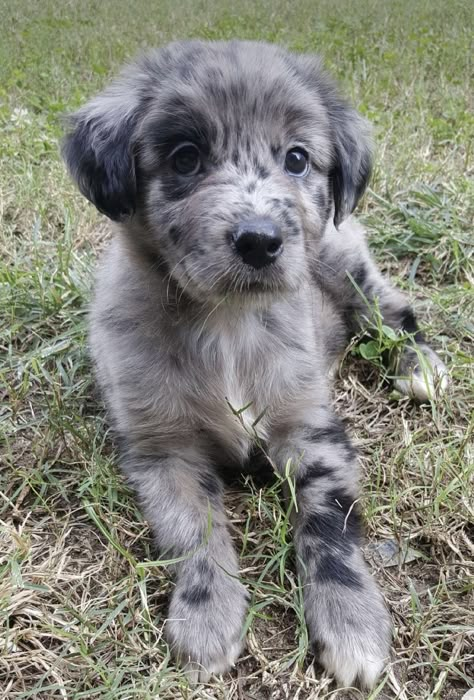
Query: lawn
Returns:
{"type": "Point", "coordinates": [82, 598]}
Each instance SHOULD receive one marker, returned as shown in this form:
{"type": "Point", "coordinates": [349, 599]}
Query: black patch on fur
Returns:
{"type": "Point", "coordinates": [338, 527]}
{"type": "Point", "coordinates": [204, 570]}
{"type": "Point", "coordinates": [322, 203]}
{"type": "Point", "coordinates": [200, 592]}
{"type": "Point", "coordinates": [196, 595]}
{"type": "Point", "coordinates": [176, 187]}
{"type": "Point", "coordinates": [183, 122]}
{"type": "Point", "coordinates": [330, 569]}
{"type": "Point", "coordinates": [262, 172]}
{"type": "Point", "coordinates": [313, 471]}
{"type": "Point", "coordinates": [275, 151]}
{"type": "Point", "coordinates": [408, 324]}
{"type": "Point", "coordinates": [334, 433]}
{"type": "Point", "coordinates": [196, 246]}
{"type": "Point", "coordinates": [256, 465]}
{"type": "Point", "coordinates": [326, 528]}
{"type": "Point", "coordinates": [291, 225]}
{"type": "Point", "coordinates": [259, 467]}
{"type": "Point", "coordinates": [318, 647]}
{"type": "Point", "coordinates": [344, 504]}
{"type": "Point", "coordinates": [251, 187]}
{"type": "Point", "coordinates": [175, 234]}
{"type": "Point", "coordinates": [210, 484]}
{"type": "Point", "coordinates": [408, 321]}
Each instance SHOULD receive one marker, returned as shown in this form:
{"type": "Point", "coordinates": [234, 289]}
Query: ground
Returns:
{"type": "Point", "coordinates": [82, 599]}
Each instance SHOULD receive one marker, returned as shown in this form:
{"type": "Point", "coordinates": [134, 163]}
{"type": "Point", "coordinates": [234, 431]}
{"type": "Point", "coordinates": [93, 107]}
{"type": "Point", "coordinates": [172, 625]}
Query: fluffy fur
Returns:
{"type": "Point", "coordinates": [185, 333]}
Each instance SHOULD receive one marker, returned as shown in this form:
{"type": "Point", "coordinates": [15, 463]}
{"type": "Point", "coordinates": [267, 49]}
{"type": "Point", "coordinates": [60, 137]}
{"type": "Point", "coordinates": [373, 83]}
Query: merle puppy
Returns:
{"type": "Point", "coordinates": [231, 170]}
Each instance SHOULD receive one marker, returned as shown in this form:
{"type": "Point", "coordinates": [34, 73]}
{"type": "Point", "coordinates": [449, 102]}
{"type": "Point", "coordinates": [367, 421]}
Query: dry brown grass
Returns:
{"type": "Point", "coordinates": [85, 609]}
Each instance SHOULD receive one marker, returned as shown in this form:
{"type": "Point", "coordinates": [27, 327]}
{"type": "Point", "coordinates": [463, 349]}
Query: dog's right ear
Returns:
{"type": "Point", "coordinates": [99, 147]}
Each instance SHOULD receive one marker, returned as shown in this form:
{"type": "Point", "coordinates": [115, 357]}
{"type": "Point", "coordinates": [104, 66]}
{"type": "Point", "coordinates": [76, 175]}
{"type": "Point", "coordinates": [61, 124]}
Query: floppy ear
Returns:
{"type": "Point", "coordinates": [352, 165]}
{"type": "Point", "coordinates": [99, 148]}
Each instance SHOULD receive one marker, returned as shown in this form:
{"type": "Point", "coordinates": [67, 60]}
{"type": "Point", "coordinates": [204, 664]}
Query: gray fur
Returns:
{"type": "Point", "coordinates": [184, 333]}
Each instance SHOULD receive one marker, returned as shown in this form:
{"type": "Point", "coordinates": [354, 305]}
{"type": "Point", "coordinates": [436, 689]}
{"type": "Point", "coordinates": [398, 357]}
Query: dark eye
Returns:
{"type": "Point", "coordinates": [296, 162]}
{"type": "Point", "coordinates": [186, 159]}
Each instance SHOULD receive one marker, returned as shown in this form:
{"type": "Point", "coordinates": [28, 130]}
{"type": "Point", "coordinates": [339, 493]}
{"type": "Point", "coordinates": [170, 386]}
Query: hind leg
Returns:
{"type": "Point", "coordinates": [420, 373]}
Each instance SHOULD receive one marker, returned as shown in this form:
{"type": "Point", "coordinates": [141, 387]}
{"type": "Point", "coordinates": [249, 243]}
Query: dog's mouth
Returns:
{"type": "Point", "coordinates": [231, 281]}
{"type": "Point", "coordinates": [248, 284]}
{"type": "Point", "coordinates": [251, 282]}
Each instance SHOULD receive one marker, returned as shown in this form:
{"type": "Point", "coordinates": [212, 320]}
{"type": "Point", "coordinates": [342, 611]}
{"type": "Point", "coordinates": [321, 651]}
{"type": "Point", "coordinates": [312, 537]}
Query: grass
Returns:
{"type": "Point", "coordinates": [82, 599]}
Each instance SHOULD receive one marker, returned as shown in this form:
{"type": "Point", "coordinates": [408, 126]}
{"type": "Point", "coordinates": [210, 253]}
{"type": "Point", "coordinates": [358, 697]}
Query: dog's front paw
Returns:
{"type": "Point", "coordinates": [351, 633]}
{"type": "Point", "coordinates": [421, 374]}
{"type": "Point", "coordinates": [205, 624]}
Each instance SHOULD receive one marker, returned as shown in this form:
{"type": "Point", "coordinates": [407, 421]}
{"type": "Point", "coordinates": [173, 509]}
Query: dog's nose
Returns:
{"type": "Point", "coordinates": [258, 242]}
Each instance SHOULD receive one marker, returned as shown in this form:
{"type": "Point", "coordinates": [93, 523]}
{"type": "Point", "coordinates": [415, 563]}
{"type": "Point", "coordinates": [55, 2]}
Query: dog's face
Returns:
{"type": "Point", "coordinates": [228, 158]}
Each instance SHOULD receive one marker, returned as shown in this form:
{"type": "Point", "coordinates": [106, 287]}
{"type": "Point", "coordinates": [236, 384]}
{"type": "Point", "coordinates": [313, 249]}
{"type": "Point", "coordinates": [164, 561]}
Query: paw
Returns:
{"type": "Point", "coordinates": [421, 374]}
{"type": "Point", "coordinates": [351, 633]}
{"type": "Point", "coordinates": [353, 660]}
{"type": "Point", "coordinates": [201, 671]}
{"type": "Point", "coordinates": [205, 625]}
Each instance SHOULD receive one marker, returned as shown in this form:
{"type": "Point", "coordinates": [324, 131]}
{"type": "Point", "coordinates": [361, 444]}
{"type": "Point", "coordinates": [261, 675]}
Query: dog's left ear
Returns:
{"type": "Point", "coordinates": [352, 164]}
{"type": "Point", "coordinates": [350, 135]}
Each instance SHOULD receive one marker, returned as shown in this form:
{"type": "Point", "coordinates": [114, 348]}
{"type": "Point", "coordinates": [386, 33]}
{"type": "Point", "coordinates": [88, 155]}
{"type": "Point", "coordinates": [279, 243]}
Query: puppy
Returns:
{"type": "Point", "coordinates": [231, 170]}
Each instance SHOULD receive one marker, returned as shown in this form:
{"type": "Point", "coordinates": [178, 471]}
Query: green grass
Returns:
{"type": "Point", "coordinates": [82, 601]}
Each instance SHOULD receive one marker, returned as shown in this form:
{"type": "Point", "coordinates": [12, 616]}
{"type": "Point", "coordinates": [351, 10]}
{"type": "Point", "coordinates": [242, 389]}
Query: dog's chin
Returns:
{"type": "Point", "coordinates": [251, 288]}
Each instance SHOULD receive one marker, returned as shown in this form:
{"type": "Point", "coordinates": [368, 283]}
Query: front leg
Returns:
{"type": "Point", "coordinates": [347, 621]}
{"type": "Point", "coordinates": [182, 500]}
{"type": "Point", "coordinates": [347, 268]}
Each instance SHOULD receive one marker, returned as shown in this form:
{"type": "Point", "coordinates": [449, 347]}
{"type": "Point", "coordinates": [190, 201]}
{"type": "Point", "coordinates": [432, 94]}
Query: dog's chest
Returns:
{"type": "Point", "coordinates": [247, 378]}
{"type": "Point", "coordinates": [251, 374]}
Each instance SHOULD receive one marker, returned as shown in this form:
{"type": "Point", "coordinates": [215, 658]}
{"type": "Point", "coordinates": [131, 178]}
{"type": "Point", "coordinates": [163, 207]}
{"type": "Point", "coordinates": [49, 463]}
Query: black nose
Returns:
{"type": "Point", "coordinates": [258, 242]}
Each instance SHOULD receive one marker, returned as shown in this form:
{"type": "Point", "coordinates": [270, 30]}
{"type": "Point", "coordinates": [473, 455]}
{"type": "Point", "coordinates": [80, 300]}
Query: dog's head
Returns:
{"type": "Point", "coordinates": [227, 158]}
